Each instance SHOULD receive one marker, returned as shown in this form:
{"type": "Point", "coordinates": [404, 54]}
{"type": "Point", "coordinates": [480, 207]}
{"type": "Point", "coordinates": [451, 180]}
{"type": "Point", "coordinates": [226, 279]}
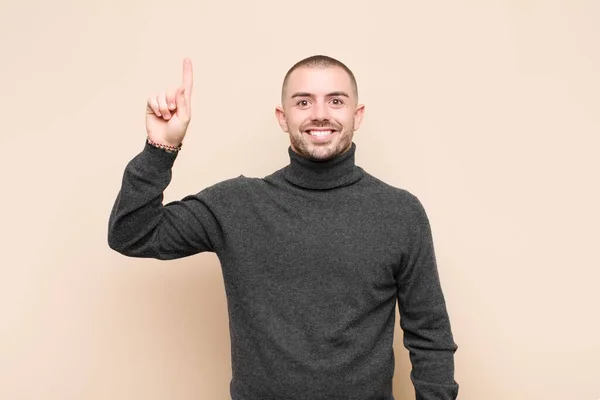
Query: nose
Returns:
{"type": "Point", "coordinates": [320, 112]}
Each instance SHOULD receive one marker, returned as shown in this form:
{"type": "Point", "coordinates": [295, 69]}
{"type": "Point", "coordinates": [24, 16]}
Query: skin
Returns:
{"type": "Point", "coordinates": [168, 114]}
{"type": "Point", "coordinates": [321, 98]}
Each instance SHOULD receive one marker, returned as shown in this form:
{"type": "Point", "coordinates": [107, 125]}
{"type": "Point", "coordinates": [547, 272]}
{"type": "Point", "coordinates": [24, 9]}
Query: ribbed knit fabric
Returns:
{"type": "Point", "coordinates": [315, 258]}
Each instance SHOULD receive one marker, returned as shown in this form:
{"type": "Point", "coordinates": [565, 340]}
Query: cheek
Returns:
{"type": "Point", "coordinates": [345, 119]}
{"type": "Point", "coordinates": [296, 121]}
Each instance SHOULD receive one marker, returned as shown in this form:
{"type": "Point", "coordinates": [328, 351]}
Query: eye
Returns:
{"type": "Point", "coordinates": [302, 103]}
{"type": "Point", "coordinates": [337, 102]}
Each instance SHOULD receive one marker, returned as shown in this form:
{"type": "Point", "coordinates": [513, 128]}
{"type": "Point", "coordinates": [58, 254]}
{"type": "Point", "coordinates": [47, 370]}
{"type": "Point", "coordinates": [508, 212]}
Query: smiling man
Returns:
{"type": "Point", "coordinates": [315, 256]}
{"type": "Point", "coordinates": [319, 108]}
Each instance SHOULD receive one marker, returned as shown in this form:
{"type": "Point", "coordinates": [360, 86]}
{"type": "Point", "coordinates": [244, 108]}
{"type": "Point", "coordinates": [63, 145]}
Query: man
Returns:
{"type": "Point", "coordinates": [314, 256]}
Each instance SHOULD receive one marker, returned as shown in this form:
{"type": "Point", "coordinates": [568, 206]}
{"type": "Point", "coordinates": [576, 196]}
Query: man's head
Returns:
{"type": "Point", "coordinates": [319, 107]}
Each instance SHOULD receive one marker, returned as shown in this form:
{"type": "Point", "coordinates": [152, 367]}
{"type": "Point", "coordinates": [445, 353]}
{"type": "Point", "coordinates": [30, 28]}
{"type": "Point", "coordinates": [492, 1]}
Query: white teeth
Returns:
{"type": "Point", "coordinates": [320, 133]}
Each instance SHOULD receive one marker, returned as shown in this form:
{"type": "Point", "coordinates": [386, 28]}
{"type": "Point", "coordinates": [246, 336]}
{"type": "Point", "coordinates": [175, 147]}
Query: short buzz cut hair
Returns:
{"type": "Point", "coordinates": [320, 61]}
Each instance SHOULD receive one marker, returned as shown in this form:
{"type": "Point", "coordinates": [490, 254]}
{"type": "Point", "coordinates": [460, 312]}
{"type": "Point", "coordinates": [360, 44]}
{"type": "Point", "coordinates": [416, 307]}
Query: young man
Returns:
{"type": "Point", "coordinates": [314, 256]}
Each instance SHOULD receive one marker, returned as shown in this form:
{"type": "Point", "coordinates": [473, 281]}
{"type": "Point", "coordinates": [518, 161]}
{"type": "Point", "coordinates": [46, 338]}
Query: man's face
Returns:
{"type": "Point", "coordinates": [319, 111]}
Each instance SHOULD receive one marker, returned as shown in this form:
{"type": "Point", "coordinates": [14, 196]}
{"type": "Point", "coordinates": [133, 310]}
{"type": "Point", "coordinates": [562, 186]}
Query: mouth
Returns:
{"type": "Point", "coordinates": [320, 133]}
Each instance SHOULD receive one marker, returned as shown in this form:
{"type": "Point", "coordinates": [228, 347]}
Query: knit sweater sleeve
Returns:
{"type": "Point", "coordinates": [423, 316]}
{"type": "Point", "coordinates": [140, 225]}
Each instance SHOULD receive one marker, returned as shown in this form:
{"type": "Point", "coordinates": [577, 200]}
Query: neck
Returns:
{"type": "Point", "coordinates": [320, 175]}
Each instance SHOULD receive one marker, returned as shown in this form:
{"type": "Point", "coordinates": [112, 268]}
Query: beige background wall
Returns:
{"type": "Point", "coordinates": [487, 110]}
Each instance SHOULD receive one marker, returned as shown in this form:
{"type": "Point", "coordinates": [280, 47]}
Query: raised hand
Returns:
{"type": "Point", "coordinates": [168, 114]}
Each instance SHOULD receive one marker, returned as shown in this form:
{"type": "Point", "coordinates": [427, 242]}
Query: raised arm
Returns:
{"type": "Point", "coordinates": [139, 224]}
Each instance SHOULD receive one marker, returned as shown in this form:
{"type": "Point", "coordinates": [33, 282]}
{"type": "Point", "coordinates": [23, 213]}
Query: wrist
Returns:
{"type": "Point", "coordinates": [169, 147]}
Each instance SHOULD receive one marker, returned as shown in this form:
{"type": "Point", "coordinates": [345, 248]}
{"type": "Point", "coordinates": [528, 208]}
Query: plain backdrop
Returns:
{"type": "Point", "coordinates": [488, 111]}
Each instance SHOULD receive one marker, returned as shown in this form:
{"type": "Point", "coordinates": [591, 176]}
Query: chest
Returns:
{"type": "Point", "coordinates": [341, 246]}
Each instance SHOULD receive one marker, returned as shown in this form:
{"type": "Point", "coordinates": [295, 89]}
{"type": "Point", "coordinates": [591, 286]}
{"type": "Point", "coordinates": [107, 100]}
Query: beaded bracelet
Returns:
{"type": "Point", "coordinates": [166, 147]}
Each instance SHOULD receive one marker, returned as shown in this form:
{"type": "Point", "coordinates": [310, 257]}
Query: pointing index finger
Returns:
{"type": "Point", "coordinates": [188, 78]}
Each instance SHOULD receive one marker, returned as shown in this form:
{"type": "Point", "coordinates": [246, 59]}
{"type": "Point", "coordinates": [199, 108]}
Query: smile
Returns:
{"type": "Point", "coordinates": [319, 133]}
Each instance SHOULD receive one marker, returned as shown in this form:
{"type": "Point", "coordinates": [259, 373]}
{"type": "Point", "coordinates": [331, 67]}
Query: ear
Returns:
{"type": "Point", "coordinates": [280, 114]}
{"type": "Point", "coordinates": [358, 116]}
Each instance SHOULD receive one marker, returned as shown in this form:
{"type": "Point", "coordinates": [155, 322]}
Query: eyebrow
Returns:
{"type": "Point", "coordinates": [332, 94]}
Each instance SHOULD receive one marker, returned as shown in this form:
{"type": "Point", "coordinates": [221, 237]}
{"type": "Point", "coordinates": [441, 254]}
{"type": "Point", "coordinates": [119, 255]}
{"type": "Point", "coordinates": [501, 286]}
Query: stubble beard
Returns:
{"type": "Point", "coordinates": [320, 152]}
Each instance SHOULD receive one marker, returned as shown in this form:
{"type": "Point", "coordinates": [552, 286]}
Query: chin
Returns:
{"type": "Point", "coordinates": [318, 151]}
{"type": "Point", "coordinates": [322, 153]}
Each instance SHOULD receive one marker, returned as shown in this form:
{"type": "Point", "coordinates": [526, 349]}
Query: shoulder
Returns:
{"type": "Point", "coordinates": [233, 191]}
{"type": "Point", "coordinates": [399, 199]}
{"type": "Point", "coordinates": [225, 189]}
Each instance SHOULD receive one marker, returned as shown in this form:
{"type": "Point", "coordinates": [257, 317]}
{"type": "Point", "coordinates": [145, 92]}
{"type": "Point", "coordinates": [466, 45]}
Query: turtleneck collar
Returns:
{"type": "Point", "coordinates": [320, 175]}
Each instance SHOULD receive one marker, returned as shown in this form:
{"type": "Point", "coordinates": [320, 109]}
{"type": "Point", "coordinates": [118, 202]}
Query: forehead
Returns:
{"type": "Point", "coordinates": [318, 81]}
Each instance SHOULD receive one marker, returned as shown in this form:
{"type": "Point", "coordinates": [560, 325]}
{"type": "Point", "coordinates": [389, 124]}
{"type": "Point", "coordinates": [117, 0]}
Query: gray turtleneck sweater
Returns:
{"type": "Point", "coordinates": [314, 258]}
